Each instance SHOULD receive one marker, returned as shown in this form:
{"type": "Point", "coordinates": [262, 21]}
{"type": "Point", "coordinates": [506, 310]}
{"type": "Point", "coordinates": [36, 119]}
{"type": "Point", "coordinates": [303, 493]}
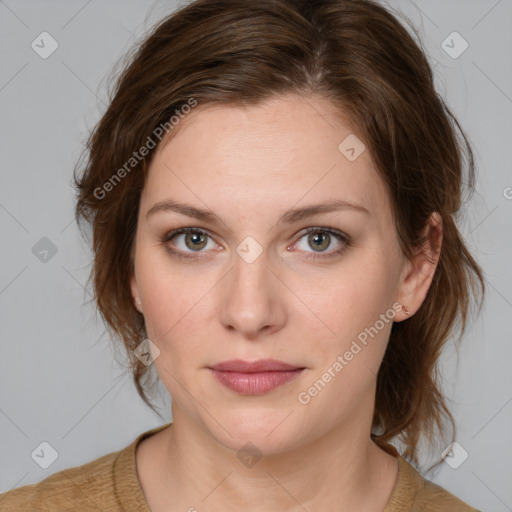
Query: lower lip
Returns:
{"type": "Point", "coordinates": [256, 383]}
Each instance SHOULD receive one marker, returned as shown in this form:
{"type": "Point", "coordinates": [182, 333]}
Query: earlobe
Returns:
{"type": "Point", "coordinates": [138, 304]}
{"type": "Point", "coordinates": [135, 293]}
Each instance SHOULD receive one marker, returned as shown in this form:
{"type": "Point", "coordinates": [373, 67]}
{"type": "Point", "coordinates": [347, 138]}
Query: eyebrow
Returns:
{"type": "Point", "coordinates": [289, 217]}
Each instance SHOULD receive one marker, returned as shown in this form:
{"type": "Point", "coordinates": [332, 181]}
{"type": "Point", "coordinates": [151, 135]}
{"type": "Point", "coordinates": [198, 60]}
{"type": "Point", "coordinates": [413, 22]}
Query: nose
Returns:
{"type": "Point", "coordinates": [253, 299]}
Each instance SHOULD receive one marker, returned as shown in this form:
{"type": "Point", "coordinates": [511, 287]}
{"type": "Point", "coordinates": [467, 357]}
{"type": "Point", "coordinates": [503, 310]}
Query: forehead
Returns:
{"type": "Point", "coordinates": [283, 151]}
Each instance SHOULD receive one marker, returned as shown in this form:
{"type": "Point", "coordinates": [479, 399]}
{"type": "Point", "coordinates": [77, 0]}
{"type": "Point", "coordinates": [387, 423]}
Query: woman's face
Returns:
{"type": "Point", "coordinates": [247, 286]}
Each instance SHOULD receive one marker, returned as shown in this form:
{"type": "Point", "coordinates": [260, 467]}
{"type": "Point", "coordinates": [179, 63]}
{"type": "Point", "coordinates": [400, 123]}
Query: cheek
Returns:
{"type": "Point", "coordinates": [352, 335]}
{"type": "Point", "coordinates": [173, 306]}
{"type": "Point", "coordinates": [347, 298]}
{"type": "Point", "coordinates": [357, 310]}
{"type": "Point", "coordinates": [176, 300]}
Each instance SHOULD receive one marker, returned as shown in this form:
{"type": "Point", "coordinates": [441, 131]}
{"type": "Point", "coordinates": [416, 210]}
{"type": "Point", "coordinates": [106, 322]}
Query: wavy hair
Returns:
{"type": "Point", "coordinates": [359, 56]}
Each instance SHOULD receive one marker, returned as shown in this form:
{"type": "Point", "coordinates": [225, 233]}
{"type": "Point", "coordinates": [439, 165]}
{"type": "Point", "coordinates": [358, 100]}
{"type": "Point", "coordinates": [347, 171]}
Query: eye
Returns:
{"type": "Point", "coordinates": [321, 239]}
{"type": "Point", "coordinates": [189, 240]}
{"type": "Point", "coordinates": [193, 240]}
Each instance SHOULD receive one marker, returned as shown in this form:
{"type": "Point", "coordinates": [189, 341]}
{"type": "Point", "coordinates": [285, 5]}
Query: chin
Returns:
{"type": "Point", "coordinates": [271, 432]}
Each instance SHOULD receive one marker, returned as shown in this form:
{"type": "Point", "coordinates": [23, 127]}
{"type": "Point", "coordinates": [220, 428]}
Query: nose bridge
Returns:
{"type": "Point", "coordinates": [252, 298]}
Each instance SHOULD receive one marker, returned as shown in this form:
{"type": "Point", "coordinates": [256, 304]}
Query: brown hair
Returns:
{"type": "Point", "coordinates": [354, 53]}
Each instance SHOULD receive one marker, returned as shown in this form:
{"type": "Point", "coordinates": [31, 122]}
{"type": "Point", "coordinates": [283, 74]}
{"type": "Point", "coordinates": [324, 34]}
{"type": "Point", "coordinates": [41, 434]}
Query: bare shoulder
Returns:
{"type": "Point", "coordinates": [82, 487]}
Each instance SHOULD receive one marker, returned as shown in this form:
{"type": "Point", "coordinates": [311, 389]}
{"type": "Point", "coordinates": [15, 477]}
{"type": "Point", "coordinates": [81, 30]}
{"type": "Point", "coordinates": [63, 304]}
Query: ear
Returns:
{"type": "Point", "coordinates": [134, 287]}
{"type": "Point", "coordinates": [418, 273]}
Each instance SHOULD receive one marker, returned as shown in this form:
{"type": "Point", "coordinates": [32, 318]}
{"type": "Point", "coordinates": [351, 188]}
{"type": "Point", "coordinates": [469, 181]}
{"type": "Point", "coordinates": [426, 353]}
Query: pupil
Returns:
{"type": "Point", "coordinates": [196, 239]}
{"type": "Point", "coordinates": [319, 237]}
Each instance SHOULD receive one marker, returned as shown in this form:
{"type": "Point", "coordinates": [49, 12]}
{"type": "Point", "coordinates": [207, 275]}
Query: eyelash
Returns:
{"type": "Point", "coordinates": [342, 237]}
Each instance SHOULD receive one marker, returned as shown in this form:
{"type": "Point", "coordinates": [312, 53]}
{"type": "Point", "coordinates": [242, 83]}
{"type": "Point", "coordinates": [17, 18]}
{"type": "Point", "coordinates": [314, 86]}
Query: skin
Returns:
{"type": "Point", "coordinates": [250, 165]}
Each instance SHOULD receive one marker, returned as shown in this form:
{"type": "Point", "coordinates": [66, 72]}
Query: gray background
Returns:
{"type": "Point", "coordinates": [60, 381]}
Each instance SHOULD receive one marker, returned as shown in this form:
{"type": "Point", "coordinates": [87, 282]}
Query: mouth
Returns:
{"type": "Point", "coordinates": [255, 377]}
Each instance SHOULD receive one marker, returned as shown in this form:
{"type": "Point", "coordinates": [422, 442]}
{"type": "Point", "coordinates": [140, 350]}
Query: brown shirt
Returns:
{"type": "Point", "coordinates": [110, 483]}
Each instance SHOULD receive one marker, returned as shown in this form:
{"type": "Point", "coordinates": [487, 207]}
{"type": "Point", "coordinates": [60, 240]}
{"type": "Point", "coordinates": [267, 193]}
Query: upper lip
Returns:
{"type": "Point", "coordinates": [262, 365]}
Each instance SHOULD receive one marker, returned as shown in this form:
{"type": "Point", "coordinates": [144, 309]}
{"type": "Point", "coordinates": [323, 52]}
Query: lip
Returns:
{"type": "Point", "coordinates": [255, 377]}
{"type": "Point", "coordinates": [261, 365]}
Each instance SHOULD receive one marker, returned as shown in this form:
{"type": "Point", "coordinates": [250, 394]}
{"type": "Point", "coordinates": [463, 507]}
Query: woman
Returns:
{"type": "Point", "coordinates": [273, 194]}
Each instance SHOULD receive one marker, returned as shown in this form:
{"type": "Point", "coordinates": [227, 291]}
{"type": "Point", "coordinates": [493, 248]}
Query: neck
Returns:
{"type": "Point", "coordinates": [343, 466]}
